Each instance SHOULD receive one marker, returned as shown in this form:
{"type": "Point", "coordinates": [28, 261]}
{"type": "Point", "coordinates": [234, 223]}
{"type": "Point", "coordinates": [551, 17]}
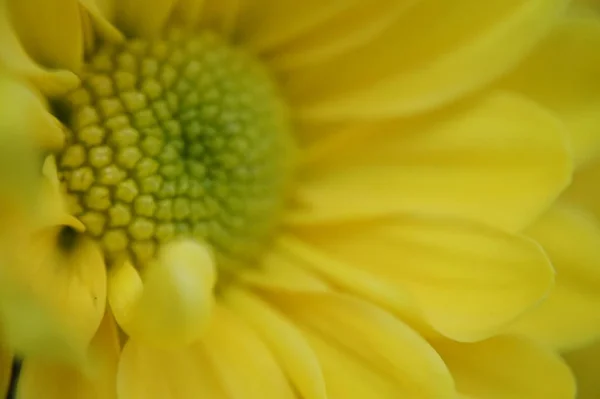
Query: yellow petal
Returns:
{"type": "Point", "coordinates": [101, 14]}
{"type": "Point", "coordinates": [283, 338]}
{"type": "Point", "coordinates": [349, 29]}
{"type": "Point", "coordinates": [14, 58]}
{"type": "Point", "coordinates": [26, 129]}
{"type": "Point", "coordinates": [387, 349]}
{"type": "Point", "coordinates": [20, 115]}
{"type": "Point", "coordinates": [268, 23]}
{"type": "Point", "coordinates": [427, 67]}
{"type": "Point", "coordinates": [585, 190]}
{"type": "Point", "coordinates": [570, 86]}
{"type": "Point", "coordinates": [278, 272]}
{"type": "Point", "coordinates": [507, 367]}
{"type": "Point", "coordinates": [150, 373]}
{"type": "Point", "coordinates": [50, 31]}
{"type": "Point", "coordinates": [469, 280]}
{"type": "Point", "coordinates": [89, 36]}
{"type": "Point", "coordinates": [51, 380]}
{"type": "Point", "coordinates": [502, 160]}
{"type": "Point", "coordinates": [138, 18]}
{"type": "Point", "coordinates": [585, 364]}
{"type": "Point", "coordinates": [53, 294]}
{"type": "Point", "coordinates": [244, 364]}
{"type": "Point", "coordinates": [348, 377]}
{"type": "Point", "coordinates": [569, 317]}
{"type": "Point", "coordinates": [358, 281]}
{"type": "Point", "coordinates": [171, 302]}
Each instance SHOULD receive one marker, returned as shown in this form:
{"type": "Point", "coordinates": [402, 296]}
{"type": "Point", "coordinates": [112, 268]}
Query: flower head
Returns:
{"type": "Point", "coordinates": [342, 199]}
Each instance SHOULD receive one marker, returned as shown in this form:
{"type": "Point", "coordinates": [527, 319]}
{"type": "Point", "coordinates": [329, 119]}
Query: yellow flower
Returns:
{"type": "Point", "coordinates": [278, 199]}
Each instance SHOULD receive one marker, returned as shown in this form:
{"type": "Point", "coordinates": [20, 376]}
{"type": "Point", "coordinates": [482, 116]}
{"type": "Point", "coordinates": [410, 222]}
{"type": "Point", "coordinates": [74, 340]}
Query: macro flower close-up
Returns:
{"type": "Point", "coordinates": [340, 199]}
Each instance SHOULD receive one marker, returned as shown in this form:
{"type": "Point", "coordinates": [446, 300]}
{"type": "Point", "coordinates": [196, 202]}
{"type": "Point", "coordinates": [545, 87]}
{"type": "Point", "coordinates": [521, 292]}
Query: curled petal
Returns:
{"type": "Point", "coordinates": [585, 363]}
{"type": "Point", "coordinates": [53, 293]}
{"type": "Point", "coordinates": [51, 31]}
{"type": "Point", "coordinates": [507, 367]}
{"type": "Point", "coordinates": [40, 378]}
{"type": "Point", "coordinates": [14, 58]}
{"type": "Point", "coordinates": [171, 300]}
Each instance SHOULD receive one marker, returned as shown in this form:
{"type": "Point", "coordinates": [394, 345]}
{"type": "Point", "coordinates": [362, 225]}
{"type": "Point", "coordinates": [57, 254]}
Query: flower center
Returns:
{"type": "Point", "coordinates": [179, 136]}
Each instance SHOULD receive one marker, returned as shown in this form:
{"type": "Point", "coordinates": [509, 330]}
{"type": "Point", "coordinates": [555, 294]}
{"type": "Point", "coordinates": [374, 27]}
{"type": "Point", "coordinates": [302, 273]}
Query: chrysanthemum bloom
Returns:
{"type": "Point", "coordinates": [273, 199]}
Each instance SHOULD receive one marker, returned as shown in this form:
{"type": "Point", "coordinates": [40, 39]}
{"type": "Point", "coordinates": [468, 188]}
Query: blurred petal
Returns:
{"type": "Point", "coordinates": [138, 18]}
{"type": "Point", "coordinates": [569, 317]}
{"type": "Point", "coordinates": [278, 272]}
{"type": "Point", "coordinates": [507, 367]}
{"type": "Point", "coordinates": [243, 363]}
{"type": "Point", "coordinates": [53, 295]}
{"type": "Point", "coordinates": [149, 373]}
{"type": "Point", "coordinates": [585, 364]}
{"type": "Point", "coordinates": [502, 160]}
{"type": "Point", "coordinates": [585, 190]}
{"type": "Point", "coordinates": [290, 251]}
{"type": "Point", "coordinates": [349, 29]}
{"type": "Point", "coordinates": [268, 23]}
{"type": "Point", "coordinates": [427, 67]}
{"type": "Point", "coordinates": [170, 303]}
{"type": "Point", "coordinates": [23, 120]}
{"type": "Point", "coordinates": [51, 31]}
{"type": "Point", "coordinates": [26, 125]}
{"type": "Point", "coordinates": [364, 351]}
{"type": "Point", "coordinates": [14, 58]}
{"type": "Point", "coordinates": [283, 338]}
{"type": "Point", "coordinates": [52, 380]}
{"type": "Point", "coordinates": [468, 279]}
{"type": "Point", "coordinates": [52, 279]}
{"type": "Point", "coordinates": [571, 87]}
{"type": "Point", "coordinates": [101, 14]}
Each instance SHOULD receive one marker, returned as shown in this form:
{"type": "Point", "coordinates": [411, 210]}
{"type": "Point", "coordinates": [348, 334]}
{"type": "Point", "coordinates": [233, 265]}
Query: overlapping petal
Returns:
{"type": "Point", "coordinates": [469, 280]}
{"type": "Point", "coordinates": [507, 367]}
{"type": "Point", "coordinates": [244, 364]}
{"type": "Point", "coordinates": [437, 57]}
{"type": "Point", "coordinates": [502, 160]}
{"type": "Point", "coordinates": [288, 344]}
{"type": "Point", "coordinates": [365, 351]}
{"type": "Point", "coordinates": [350, 28]}
{"type": "Point", "coordinates": [585, 363]}
{"type": "Point", "coordinates": [52, 299]}
{"type": "Point", "coordinates": [51, 32]}
{"type": "Point", "coordinates": [97, 379]}
{"type": "Point", "coordinates": [265, 24]}
{"type": "Point", "coordinates": [150, 373]}
{"type": "Point", "coordinates": [585, 190]}
{"type": "Point", "coordinates": [569, 317]}
{"type": "Point", "coordinates": [570, 87]}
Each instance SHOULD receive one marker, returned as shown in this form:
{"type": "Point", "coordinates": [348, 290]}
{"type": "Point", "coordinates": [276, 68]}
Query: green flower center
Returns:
{"type": "Point", "coordinates": [180, 136]}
